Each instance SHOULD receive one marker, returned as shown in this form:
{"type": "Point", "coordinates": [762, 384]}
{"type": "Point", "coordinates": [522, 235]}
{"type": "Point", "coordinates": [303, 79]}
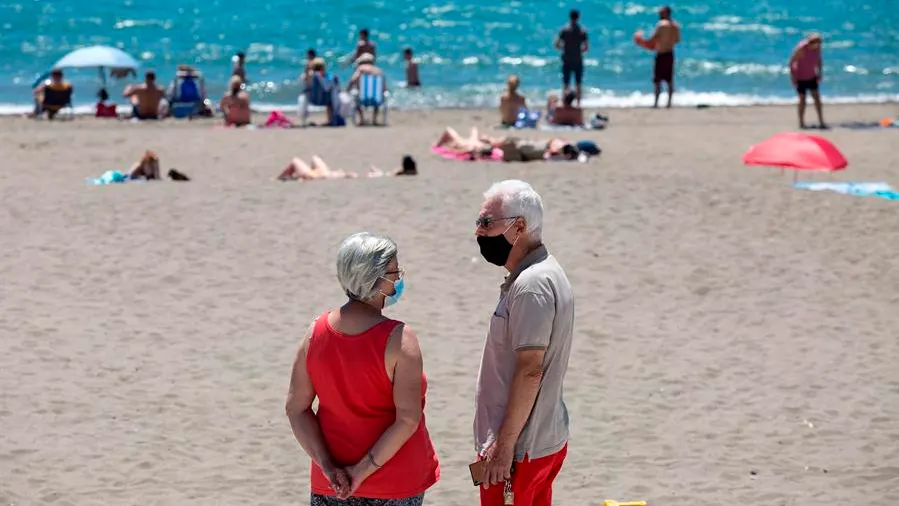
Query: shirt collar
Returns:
{"type": "Point", "coordinates": [538, 255]}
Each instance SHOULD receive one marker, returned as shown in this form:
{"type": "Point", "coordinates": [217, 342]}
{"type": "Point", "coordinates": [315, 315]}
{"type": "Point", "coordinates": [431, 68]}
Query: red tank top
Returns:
{"type": "Point", "coordinates": [355, 406]}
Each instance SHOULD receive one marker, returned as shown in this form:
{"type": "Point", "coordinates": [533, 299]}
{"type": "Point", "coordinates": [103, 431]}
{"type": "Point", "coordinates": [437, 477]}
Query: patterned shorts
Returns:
{"type": "Point", "coordinates": [324, 500]}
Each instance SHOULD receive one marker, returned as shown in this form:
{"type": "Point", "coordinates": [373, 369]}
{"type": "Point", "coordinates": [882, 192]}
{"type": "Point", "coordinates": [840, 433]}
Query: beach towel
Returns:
{"type": "Point", "coordinates": [109, 177]}
{"type": "Point", "coordinates": [870, 125]}
{"type": "Point", "coordinates": [597, 122]}
{"type": "Point", "coordinates": [277, 119]}
{"type": "Point", "coordinates": [856, 188]}
{"type": "Point", "coordinates": [495, 156]}
{"type": "Point", "coordinates": [595, 125]}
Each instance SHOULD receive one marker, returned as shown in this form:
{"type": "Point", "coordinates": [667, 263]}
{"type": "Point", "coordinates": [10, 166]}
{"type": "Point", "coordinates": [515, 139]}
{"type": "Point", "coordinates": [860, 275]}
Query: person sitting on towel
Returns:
{"type": "Point", "coordinates": [146, 98]}
{"type": "Point", "coordinates": [510, 102]}
{"type": "Point", "coordinates": [236, 104]}
{"type": "Point", "coordinates": [567, 114]}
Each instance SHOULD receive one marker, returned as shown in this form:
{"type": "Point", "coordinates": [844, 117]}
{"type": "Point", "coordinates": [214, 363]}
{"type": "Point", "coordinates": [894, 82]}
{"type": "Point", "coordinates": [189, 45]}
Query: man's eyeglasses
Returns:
{"type": "Point", "coordinates": [487, 221]}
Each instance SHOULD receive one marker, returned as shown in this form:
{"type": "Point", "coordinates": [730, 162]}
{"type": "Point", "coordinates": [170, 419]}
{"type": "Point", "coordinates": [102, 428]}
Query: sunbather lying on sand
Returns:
{"type": "Point", "coordinates": [408, 168]}
{"type": "Point", "coordinates": [297, 169]}
{"type": "Point", "coordinates": [147, 168]}
{"type": "Point", "coordinates": [513, 148]}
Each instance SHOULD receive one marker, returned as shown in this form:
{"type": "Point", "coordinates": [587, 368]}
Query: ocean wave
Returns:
{"type": "Point", "coordinates": [747, 27]}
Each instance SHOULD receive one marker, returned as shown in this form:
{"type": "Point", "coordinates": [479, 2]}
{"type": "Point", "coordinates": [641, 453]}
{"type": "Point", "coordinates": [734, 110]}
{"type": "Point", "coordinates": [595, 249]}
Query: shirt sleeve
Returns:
{"type": "Point", "coordinates": [531, 316]}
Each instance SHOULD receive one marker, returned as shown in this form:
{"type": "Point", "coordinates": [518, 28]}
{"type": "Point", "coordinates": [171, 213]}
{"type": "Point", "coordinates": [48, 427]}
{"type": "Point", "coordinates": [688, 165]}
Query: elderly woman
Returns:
{"type": "Point", "coordinates": [368, 440]}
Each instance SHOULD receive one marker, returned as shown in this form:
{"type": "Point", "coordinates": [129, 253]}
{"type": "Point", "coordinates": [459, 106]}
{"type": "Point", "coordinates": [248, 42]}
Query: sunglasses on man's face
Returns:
{"type": "Point", "coordinates": [488, 221]}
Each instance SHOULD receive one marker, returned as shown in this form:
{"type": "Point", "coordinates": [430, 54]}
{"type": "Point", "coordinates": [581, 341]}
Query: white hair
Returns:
{"type": "Point", "coordinates": [361, 262]}
{"type": "Point", "coordinates": [518, 198]}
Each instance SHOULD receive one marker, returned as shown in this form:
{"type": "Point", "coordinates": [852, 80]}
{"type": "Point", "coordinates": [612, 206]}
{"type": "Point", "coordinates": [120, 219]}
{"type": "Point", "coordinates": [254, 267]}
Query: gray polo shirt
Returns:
{"type": "Point", "coordinates": [535, 310]}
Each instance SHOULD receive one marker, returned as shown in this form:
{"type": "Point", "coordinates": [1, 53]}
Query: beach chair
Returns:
{"type": "Point", "coordinates": [323, 91]}
{"type": "Point", "coordinates": [371, 94]}
{"type": "Point", "coordinates": [57, 99]}
{"type": "Point", "coordinates": [186, 95]}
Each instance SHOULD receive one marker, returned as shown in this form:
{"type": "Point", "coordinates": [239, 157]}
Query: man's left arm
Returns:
{"type": "Point", "coordinates": [522, 393]}
{"type": "Point", "coordinates": [531, 315]}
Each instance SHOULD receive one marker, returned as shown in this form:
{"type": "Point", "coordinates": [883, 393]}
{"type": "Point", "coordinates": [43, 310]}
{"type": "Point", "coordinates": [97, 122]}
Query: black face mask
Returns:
{"type": "Point", "coordinates": [495, 249]}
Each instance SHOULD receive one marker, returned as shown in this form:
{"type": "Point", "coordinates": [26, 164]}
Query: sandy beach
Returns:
{"type": "Point", "coordinates": [736, 339]}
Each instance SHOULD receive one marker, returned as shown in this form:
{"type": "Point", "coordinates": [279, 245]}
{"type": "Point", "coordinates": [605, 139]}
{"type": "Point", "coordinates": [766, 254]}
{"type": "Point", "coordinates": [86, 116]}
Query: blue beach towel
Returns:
{"type": "Point", "coordinates": [857, 188]}
{"type": "Point", "coordinates": [110, 177]}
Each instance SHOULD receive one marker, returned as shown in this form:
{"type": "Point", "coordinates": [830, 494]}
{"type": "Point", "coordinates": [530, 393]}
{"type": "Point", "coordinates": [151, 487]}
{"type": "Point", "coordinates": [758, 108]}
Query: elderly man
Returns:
{"type": "Point", "coordinates": [521, 422]}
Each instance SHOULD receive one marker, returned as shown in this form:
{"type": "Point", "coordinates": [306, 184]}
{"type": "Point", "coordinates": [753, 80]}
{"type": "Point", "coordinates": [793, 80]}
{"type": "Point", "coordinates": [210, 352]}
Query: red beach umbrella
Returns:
{"type": "Point", "coordinates": [797, 151]}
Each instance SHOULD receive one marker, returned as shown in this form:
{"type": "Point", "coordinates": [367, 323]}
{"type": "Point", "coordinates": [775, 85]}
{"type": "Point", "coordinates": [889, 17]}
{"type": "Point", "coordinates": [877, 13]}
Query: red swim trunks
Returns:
{"type": "Point", "coordinates": [532, 482]}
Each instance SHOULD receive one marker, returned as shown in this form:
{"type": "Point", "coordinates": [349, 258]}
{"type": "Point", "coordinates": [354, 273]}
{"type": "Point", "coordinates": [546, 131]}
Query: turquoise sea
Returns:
{"type": "Point", "coordinates": [733, 51]}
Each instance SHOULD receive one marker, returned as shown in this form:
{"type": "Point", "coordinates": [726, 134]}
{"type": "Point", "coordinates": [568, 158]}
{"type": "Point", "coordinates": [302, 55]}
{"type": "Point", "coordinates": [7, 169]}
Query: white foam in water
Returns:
{"type": "Point", "coordinates": [438, 99]}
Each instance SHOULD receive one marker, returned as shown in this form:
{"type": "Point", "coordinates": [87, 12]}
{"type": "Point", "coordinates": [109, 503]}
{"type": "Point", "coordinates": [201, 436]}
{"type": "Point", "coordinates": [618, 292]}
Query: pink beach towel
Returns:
{"type": "Point", "coordinates": [495, 156]}
{"type": "Point", "coordinates": [278, 119]}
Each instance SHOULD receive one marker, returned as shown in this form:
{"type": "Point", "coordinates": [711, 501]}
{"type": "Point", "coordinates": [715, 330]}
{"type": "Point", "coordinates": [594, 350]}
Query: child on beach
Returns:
{"type": "Point", "coordinates": [105, 110]}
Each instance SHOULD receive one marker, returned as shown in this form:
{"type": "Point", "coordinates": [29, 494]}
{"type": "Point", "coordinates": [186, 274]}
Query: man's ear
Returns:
{"type": "Point", "coordinates": [521, 226]}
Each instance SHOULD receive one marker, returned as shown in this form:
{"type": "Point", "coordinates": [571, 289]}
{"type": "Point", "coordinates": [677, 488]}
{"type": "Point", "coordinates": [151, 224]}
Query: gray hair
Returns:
{"type": "Point", "coordinates": [361, 262]}
{"type": "Point", "coordinates": [518, 198]}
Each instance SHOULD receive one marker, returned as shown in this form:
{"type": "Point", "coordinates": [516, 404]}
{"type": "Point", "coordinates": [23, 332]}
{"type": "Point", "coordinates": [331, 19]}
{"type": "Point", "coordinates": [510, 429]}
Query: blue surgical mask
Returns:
{"type": "Point", "coordinates": [398, 287]}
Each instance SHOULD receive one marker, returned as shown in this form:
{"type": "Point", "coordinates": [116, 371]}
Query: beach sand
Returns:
{"type": "Point", "coordinates": [736, 339]}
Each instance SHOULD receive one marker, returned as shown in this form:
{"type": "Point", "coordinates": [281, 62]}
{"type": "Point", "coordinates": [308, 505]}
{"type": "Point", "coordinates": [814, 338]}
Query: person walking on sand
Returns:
{"type": "Point", "coordinates": [663, 40]}
{"type": "Point", "coordinates": [572, 41]}
{"type": "Point", "coordinates": [807, 71]}
{"type": "Point", "coordinates": [520, 415]}
{"type": "Point", "coordinates": [367, 439]}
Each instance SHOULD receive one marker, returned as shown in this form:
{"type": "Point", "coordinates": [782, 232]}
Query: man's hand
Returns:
{"type": "Point", "coordinates": [499, 457]}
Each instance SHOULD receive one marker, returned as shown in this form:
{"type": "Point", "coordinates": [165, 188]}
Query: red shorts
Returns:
{"type": "Point", "coordinates": [532, 482]}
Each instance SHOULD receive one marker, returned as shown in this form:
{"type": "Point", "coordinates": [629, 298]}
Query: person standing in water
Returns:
{"type": "Point", "coordinates": [364, 45]}
{"type": "Point", "coordinates": [806, 71]}
{"type": "Point", "coordinates": [240, 66]}
{"type": "Point", "coordinates": [412, 79]}
{"type": "Point", "coordinates": [664, 38]}
{"type": "Point", "coordinates": [572, 41]}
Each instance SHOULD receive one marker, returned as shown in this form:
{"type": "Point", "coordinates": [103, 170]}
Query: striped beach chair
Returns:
{"type": "Point", "coordinates": [372, 94]}
{"type": "Point", "coordinates": [323, 91]}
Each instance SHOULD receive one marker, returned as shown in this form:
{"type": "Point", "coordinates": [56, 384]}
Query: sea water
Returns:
{"type": "Point", "coordinates": [732, 52]}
